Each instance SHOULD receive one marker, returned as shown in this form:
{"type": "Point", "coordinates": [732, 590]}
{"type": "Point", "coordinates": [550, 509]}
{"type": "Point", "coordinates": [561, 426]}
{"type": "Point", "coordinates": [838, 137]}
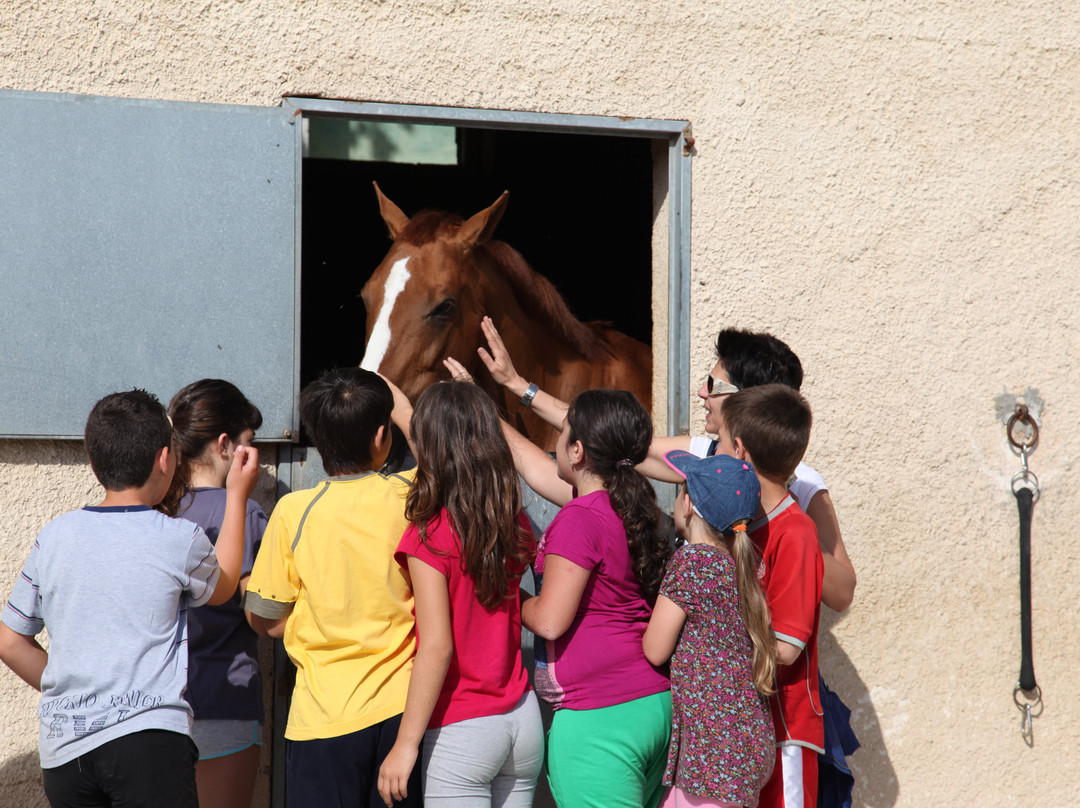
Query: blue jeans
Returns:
{"type": "Point", "coordinates": [152, 767]}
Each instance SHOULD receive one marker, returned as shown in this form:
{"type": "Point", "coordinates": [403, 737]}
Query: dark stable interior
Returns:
{"type": "Point", "coordinates": [580, 212]}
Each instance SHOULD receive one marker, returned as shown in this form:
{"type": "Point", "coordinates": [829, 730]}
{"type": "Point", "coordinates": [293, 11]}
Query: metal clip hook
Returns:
{"type": "Point", "coordinates": [1025, 478]}
{"type": "Point", "coordinates": [1030, 711]}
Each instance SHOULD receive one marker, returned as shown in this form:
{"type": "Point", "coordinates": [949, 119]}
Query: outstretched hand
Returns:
{"type": "Point", "coordinates": [497, 359]}
{"type": "Point", "coordinates": [244, 471]}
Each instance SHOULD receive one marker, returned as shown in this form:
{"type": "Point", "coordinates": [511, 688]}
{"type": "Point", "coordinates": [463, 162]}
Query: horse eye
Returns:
{"type": "Point", "coordinates": [444, 310]}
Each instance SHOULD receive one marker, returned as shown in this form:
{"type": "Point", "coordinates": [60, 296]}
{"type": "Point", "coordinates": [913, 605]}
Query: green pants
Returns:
{"type": "Point", "coordinates": [610, 757]}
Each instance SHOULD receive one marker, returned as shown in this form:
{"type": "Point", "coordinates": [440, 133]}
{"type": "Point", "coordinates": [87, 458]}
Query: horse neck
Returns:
{"type": "Point", "coordinates": [537, 354]}
{"type": "Point", "coordinates": [537, 351]}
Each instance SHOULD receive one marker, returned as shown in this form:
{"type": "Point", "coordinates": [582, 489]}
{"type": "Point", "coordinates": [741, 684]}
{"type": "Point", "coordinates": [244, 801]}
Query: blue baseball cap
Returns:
{"type": "Point", "coordinates": [722, 488]}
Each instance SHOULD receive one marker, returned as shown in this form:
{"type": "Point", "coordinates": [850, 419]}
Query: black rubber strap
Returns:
{"type": "Point", "coordinates": [1024, 502]}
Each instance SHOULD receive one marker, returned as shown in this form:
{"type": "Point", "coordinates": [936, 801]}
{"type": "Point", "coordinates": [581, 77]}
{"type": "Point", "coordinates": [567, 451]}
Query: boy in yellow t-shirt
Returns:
{"type": "Point", "coordinates": [325, 580]}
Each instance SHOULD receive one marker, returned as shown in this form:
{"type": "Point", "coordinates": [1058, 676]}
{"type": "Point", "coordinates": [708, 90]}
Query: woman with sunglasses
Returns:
{"type": "Point", "coordinates": [744, 359]}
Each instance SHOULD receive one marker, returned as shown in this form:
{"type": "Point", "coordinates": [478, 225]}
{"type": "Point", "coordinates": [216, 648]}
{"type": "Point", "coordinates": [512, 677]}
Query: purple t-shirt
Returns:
{"type": "Point", "coordinates": [224, 681]}
{"type": "Point", "coordinates": [598, 661]}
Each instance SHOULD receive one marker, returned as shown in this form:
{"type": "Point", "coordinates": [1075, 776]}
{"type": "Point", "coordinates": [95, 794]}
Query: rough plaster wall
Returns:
{"type": "Point", "coordinates": [891, 188]}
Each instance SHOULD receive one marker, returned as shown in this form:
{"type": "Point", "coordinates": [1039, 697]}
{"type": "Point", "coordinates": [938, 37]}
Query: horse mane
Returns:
{"type": "Point", "coordinates": [535, 293]}
{"type": "Point", "coordinates": [539, 298]}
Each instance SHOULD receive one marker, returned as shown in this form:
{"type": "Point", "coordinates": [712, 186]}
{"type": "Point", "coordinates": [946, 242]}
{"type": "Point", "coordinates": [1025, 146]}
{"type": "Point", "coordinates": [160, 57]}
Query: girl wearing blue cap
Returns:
{"type": "Point", "coordinates": [712, 621]}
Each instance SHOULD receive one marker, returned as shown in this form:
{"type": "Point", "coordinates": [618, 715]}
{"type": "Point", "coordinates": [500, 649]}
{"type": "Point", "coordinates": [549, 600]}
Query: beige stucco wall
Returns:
{"type": "Point", "coordinates": [891, 188]}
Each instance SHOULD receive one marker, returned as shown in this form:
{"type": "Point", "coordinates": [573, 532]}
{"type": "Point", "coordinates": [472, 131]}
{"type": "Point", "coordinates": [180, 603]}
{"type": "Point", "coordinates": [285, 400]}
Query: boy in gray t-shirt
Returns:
{"type": "Point", "coordinates": [112, 583]}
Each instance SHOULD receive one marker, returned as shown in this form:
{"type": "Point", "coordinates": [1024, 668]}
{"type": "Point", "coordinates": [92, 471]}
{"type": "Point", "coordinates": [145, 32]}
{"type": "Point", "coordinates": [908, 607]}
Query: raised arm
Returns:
{"type": "Point", "coordinates": [498, 362]}
{"type": "Point", "coordinates": [402, 414]}
{"type": "Point", "coordinates": [531, 462]}
{"type": "Point", "coordinates": [537, 468]}
{"type": "Point", "coordinates": [243, 474]}
{"type": "Point", "coordinates": [654, 466]}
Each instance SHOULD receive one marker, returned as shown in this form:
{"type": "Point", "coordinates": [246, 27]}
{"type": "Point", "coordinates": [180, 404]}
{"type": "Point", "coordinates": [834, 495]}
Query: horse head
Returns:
{"type": "Point", "coordinates": [442, 275]}
{"type": "Point", "coordinates": [425, 300]}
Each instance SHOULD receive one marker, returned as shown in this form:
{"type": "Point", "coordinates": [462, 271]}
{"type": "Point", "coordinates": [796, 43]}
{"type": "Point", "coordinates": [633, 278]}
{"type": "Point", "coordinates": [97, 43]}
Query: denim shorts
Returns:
{"type": "Point", "coordinates": [218, 737]}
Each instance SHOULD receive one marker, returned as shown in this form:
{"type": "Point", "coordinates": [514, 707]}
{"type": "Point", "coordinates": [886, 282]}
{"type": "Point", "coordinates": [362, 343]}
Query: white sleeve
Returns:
{"type": "Point", "coordinates": [805, 484]}
{"type": "Point", "coordinates": [202, 568]}
{"type": "Point", "coordinates": [22, 613]}
{"type": "Point", "coordinates": [699, 445]}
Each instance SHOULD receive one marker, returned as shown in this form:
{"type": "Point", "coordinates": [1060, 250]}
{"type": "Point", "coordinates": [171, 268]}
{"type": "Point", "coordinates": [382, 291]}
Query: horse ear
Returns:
{"type": "Point", "coordinates": [391, 213]}
{"type": "Point", "coordinates": [481, 227]}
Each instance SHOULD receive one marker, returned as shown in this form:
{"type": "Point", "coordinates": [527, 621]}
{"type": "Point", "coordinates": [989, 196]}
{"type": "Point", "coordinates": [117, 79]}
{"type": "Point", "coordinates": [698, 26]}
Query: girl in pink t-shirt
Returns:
{"type": "Point", "coordinates": [602, 560]}
{"type": "Point", "coordinates": [469, 700]}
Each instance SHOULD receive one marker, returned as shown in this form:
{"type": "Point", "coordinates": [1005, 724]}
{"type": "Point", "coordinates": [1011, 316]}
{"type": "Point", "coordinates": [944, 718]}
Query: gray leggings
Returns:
{"type": "Point", "coordinates": [489, 761]}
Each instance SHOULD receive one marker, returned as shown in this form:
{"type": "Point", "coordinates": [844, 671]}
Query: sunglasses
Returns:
{"type": "Point", "coordinates": [716, 387]}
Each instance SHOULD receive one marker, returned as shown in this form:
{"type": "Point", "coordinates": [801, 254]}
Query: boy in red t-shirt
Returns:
{"type": "Point", "coordinates": [769, 426]}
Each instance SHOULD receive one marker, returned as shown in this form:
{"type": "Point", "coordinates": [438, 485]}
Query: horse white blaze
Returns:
{"type": "Point", "coordinates": [379, 341]}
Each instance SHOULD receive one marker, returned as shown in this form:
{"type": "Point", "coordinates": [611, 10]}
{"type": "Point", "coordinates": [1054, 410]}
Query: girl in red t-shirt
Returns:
{"type": "Point", "coordinates": [469, 704]}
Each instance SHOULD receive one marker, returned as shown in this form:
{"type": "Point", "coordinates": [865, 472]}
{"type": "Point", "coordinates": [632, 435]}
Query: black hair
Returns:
{"type": "Point", "coordinates": [124, 433]}
{"type": "Point", "coordinates": [200, 412]}
{"type": "Point", "coordinates": [755, 358]}
{"type": "Point", "coordinates": [342, 411]}
{"type": "Point", "coordinates": [615, 432]}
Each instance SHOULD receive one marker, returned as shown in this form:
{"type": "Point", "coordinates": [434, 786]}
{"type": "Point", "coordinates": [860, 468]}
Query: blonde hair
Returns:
{"type": "Point", "coordinates": [755, 610]}
{"type": "Point", "coordinates": [753, 607]}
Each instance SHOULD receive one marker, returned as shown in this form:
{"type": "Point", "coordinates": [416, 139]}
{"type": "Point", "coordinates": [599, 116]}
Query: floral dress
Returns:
{"type": "Point", "coordinates": [722, 741]}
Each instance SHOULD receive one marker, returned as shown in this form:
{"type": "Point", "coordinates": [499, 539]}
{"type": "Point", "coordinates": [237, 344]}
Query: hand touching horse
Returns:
{"type": "Point", "coordinates": [442, 274]}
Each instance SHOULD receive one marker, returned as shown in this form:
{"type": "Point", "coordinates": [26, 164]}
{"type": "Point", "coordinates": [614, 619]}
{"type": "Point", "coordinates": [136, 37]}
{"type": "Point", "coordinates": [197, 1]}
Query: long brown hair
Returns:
{"type": "Point", "coordinates": [464, 464]}
{"type": "Point", "coordinates": [615, 432]}
{"type": "Point", "coordinates": [200, 412]}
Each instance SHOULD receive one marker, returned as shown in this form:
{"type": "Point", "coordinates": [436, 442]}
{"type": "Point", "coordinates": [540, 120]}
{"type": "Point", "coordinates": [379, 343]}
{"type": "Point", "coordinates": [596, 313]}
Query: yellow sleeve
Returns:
{"type": "Point", "coordinates": [274, 585]}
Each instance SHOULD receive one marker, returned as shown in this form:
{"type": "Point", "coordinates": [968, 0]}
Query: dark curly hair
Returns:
{"type": "Point", "coordinates": [615, 432]}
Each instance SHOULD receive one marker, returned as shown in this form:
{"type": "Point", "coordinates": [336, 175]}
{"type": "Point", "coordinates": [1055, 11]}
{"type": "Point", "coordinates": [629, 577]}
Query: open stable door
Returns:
{"type": "Point", "coordinates": [144, 244]}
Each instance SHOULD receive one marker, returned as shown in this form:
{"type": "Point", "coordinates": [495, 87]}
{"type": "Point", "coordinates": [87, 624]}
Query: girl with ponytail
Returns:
{"type": "Point", "coordinates": [211, 419]}
{"type": "Point", "coordinates": [598, 569]}
{"type": "Point", "coordinates": [712, 621]}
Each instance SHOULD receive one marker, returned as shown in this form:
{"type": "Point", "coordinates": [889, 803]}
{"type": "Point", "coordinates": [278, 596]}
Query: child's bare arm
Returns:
{"type": "Point", "coordinates": [434, 651]}
{"type": "Point", "coordinates": [23, 654]}
{"type": "Point", "coordinates": [531, 462]}
{"type": "Point", "coordinates": [265, 626]}
{"type": "Point", "coordinates": [838, 585]}
{"type": "Point", "coordinates": [537, 467]}
{"type": "Point", "coordinates": [786, 652]}
{"type": "Point", "coordinates": [243, 475]}
{"type": "Point", "coordinates": [662, 633]}
{"type": "Point", "coordinates": [402, 413]}
{"type": "Point", "coordinates": [498, 362]}
{"type": "Point", "coordinates": [550, 613]}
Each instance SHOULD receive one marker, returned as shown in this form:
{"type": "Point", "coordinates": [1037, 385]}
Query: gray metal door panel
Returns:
{"type": "Point", "coordinates": [143, 244]}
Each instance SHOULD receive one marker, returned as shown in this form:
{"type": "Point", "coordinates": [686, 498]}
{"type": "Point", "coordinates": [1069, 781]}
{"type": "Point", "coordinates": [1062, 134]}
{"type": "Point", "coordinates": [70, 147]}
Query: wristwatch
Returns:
{"type": "Point", "coordinates": [530, 394]}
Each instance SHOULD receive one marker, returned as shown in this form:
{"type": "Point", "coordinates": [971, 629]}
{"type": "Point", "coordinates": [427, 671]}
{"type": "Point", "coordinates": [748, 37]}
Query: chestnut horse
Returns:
{"type": "Point", "coordinates": [442, 274]}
